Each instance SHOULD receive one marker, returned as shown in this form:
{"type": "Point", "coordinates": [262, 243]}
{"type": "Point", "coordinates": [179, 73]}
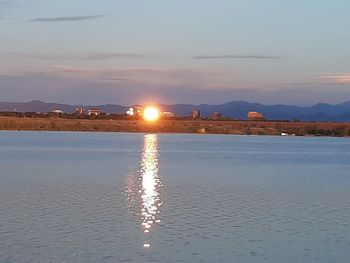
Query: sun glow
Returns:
{"type": "Point", "coordinates": [151, 113]}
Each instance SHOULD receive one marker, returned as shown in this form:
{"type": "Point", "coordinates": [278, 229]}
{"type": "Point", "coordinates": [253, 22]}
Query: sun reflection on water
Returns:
{"type": "Point", "coordinates": [147, 190]}
{"type": "Point", "coordinates": [150, 183]}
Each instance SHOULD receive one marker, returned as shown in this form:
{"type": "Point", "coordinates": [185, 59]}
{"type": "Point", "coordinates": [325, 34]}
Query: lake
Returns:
{"type": "Point", "coordinates": [120, 197]}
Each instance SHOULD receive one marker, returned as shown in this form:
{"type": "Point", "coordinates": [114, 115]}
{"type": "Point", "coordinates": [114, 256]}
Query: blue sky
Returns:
{"type": "Point", "coordinates": [183, 51]}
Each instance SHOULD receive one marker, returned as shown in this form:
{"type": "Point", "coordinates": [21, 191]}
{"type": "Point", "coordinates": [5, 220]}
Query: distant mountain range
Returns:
{"type": "Point", "coordinates": [234, 109]}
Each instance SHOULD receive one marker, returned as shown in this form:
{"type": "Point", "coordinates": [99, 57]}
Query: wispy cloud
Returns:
{"type": "Point", "coordinates": [252, 56]}
{"type": "Point", "coordinates": [146, 75]}
{"type": "Point", "coordinates": [91, 56]}
{"type": "Point", "coordinates": [338, 78]}
{"type": "Point", "coordinates": [105, 56]}
{"type": "Point", "coordinates": [65, 18]}
{"type": "Point", "coordinates": [4, 2]}
{"type": "Point", "coordinates": [301, 83]}
{"type": "Point", "coordinates": [132, 70]}
{"type": "Point", "coordinates": [19, 55]}
{"type": "Point", "coordinates": [112, 80]}
{"type": "Point", "coordinates": [4, 5]}
{"type": "Point", "coordinates": [79, 70]}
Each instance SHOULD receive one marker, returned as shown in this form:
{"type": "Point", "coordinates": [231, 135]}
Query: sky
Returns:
{"type": "Point", "coordinates": [180, 51]}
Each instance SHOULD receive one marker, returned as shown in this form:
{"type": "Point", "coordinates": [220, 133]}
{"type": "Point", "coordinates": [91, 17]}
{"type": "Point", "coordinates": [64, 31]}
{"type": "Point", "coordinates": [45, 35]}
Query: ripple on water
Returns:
{"type": "Point", "coordinates": [200, 219]}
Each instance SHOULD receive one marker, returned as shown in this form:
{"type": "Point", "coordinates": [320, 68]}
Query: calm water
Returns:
{"type": "Point", "coordinates": [111, 197]}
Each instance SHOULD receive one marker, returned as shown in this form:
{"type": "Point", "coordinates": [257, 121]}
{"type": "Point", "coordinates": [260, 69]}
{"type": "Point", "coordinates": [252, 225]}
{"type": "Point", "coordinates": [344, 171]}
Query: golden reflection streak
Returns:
{"type": "Point", "coordinates": [146, 189]}
{"type": "Point", "coordinates": [150, 183]}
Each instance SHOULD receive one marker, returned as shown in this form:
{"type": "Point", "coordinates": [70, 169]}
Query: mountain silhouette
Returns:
{"type": "Point", "coordinates": [233, 109]}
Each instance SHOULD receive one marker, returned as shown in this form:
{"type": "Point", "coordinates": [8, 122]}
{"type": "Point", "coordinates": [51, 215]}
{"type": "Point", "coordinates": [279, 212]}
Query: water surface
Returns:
{"type": "Point", "coordinates": [118, 197]}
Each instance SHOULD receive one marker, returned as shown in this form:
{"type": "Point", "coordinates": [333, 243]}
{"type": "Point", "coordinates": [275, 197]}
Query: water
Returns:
{"type": "Point", "coordinates": [114, 197]}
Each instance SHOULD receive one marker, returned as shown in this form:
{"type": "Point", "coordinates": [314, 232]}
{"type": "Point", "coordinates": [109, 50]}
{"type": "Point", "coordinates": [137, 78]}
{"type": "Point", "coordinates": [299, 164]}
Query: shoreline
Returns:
{"type": "Point", "coordinates": [233, 127]}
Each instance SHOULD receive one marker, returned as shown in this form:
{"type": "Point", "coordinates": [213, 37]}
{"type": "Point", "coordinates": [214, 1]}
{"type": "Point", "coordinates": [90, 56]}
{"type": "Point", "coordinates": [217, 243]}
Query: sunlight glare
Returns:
{"type": "Point", "coordinates": [151, 113]}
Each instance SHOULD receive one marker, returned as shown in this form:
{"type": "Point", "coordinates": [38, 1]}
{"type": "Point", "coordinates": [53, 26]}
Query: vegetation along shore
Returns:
{"type": "Point", "coordinates": [237, 127]}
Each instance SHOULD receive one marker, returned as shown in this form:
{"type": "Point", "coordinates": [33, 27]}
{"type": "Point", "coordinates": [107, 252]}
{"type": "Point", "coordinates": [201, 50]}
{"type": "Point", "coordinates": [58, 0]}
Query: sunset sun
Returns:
{"type": "Point", "coordinates": [151, 113]}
